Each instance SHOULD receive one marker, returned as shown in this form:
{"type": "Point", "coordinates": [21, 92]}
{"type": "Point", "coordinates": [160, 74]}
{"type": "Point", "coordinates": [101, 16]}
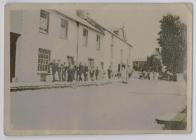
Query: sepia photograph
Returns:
{"type": "Point", "coordinates": [98, 68]}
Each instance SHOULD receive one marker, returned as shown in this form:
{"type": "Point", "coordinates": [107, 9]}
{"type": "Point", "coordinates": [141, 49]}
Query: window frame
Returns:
{"type": "Point", "coordinates": [44, 56]}
{"type": "Point", "coordinates": [85, 37]}
{"type": "Point", "coordinates": [41, 30]}
{"type": "Point", "coordinates": [98, 42]}
{"type": "Point", "coordinates": [65, 29]}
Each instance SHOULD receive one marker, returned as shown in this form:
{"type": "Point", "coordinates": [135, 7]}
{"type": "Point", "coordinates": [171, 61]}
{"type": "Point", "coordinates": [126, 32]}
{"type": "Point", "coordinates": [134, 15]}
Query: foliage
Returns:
{"type": "Point", "coordinates": [172, 39]}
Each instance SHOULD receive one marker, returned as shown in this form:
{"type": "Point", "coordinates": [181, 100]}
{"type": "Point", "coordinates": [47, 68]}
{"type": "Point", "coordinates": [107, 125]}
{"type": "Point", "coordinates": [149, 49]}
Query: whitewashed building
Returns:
{"type": "Point", "coordinates": [40, 36]}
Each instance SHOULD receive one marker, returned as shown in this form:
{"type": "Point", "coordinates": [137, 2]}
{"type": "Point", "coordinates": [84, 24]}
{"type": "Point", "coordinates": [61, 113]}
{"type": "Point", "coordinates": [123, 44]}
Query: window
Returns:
{"type": "Point", "coordinates": [85, 37]}
{"type": "Point", "coordinates": [98, 42]}
{"type": "Point", "coordinates": [44, 21]}
{"type": "Point", "coordinates": [43, 60]}
{"type": "Point", "coordinates": [64, 29]}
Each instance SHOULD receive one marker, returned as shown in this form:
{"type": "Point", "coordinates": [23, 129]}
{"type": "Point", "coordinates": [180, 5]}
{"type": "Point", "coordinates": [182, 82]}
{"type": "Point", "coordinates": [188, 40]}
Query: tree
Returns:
{"type": "Point", "coordinates": [172, 41]}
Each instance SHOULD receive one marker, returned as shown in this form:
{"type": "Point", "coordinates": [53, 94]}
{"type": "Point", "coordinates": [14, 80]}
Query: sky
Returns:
{"type": "Point", "coordinates": [141, 22]}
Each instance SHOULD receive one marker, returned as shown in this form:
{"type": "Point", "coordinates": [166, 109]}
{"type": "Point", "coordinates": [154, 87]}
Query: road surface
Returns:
{"type": "Point", "coordinates": [117, 106]}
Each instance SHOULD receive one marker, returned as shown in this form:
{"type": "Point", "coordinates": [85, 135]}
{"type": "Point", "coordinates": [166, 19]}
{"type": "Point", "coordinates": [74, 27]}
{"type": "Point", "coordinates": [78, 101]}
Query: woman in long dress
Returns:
{"type": "Point", "coordinates": [124, 75]}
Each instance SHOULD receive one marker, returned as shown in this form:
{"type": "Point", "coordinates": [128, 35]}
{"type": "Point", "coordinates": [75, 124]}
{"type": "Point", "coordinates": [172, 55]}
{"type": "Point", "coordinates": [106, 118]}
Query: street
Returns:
{"type": "Point", "coordinates": [117, 106]}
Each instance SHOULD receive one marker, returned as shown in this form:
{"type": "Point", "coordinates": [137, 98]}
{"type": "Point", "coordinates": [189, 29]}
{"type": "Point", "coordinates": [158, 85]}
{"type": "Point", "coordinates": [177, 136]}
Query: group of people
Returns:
{"type": "Point", "coordinates": [81, 72]}
{"type": "Point", "coordinates": [150, 75]}
{"type": "Point", "coordinates": [71, 72]}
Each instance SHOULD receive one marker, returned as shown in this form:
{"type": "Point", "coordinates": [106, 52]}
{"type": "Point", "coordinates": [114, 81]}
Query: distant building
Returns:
{"type": "Point", "coordinates": [139, 65]}
{"type": "Point", "coordinates": [39, 36]}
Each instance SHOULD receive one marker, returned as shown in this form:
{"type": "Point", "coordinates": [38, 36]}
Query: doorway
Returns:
{"type": "Point", "coordinates": [13, 41]}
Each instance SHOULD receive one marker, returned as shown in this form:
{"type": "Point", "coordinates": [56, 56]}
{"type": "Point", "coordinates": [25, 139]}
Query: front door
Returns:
{"type": "Point", "coordinates": [13, 41]}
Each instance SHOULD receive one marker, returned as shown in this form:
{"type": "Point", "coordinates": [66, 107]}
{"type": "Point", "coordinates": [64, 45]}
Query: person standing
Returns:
{"type": "Point", "coordinates": [85, 72]}
{"type": "Point", "coordinates": [69, 73]}
{"type": "Point", "coordinates": [64, 72]}
{"type": "Point", "coordinates": [80, 71]}
{"type": "Point", "coordinates": [96, 73]}
{"type": "Point", "coordinates": [77, 72]}
{"type": "Point", "coordinates": [92, 74]}
{"type": "Point", "coordinates": [109, 72]}
{"type": "Point", "coordinates": [153, 75]}
{"type": "Point", "coordinates": [74, 72]}
{"type": "Point", "coordinates": [59, 69]}
{"type": "Point", "coordinates": [148, 75]}
{"type": "Point", "coordinates": [53, 66]}
{"type": "Point", "coordinates": [123, 73]}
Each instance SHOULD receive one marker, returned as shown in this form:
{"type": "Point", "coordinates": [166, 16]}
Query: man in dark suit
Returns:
{"type": "Point", "coordinates": [85, 72]}
{"type": "Point", "coordinates": [96, 73]}
{"type": "Point", "coordinates": [64, 70]}
{"type": "Point", "coordinates": [54, 69]}
{"type": "Point", "coordinates": [80, 71]}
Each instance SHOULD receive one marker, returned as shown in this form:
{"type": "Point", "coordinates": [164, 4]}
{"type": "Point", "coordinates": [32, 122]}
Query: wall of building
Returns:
{"type": "Point", "coordinates": [16, 24]}
{"type": "Point", "coordinates": [32, 39]}
{"type": "Point", "coordinates": [107, 50]}
{"type": "Point", "coordinates": [16, 21]}
{"type": "Point", "coordinates": [90, 51]}
{"type": "Point", "coordinates": [116, 58]}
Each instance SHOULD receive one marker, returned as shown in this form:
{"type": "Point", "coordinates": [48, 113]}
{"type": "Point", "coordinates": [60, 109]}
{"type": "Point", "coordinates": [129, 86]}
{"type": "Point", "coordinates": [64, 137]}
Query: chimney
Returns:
{"type": "Point", "coordinates": [82, 14]}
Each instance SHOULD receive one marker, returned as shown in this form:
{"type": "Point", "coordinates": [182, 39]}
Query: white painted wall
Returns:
{"type": "Point", "coordinates": [90, 51]}
{"type": "Point", "coordinates": [31, 40]}
{"type": "Point", "coordinates": [107, 53]}
{"type": "Point", "coordinates": [16, 24]}
{"type": "Point", "coordinates": [16, 21]}
{"type": "Point", "coordinates": [117, 46]}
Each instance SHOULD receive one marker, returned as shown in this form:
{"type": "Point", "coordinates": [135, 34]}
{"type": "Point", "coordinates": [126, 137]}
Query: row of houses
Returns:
{"type": "Point", "coordinates": [39, 36]}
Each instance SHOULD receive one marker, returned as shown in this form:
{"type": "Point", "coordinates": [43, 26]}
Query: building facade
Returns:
{"type": "Point", "coordinates": [38, 37]}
